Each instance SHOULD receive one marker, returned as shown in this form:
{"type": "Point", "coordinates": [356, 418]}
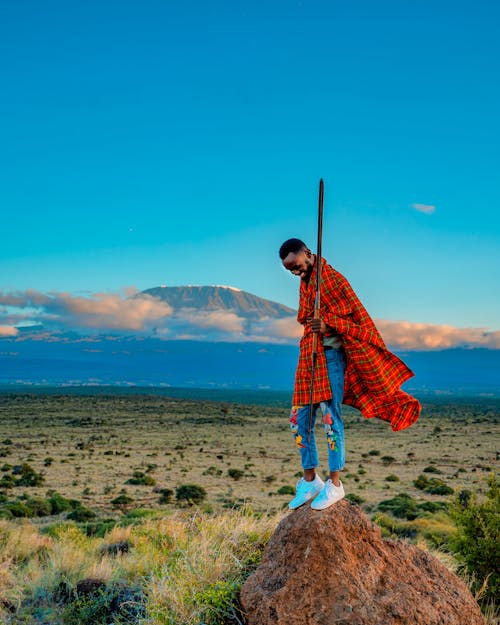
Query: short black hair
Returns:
{"type": "Point", "coordinates": [291, 246]}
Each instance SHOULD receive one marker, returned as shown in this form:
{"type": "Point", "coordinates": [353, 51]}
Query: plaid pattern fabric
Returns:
{"type": "Point", "coordinates": [373, 375]}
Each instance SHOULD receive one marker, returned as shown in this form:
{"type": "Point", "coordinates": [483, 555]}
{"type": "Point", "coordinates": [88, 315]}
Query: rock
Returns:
{"type": "Point", "coordinates": [334, 568]}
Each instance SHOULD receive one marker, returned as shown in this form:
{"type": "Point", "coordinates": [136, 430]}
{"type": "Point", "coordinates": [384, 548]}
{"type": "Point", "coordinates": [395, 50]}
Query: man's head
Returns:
{"type": "Point", "coordinates": [297, 258]}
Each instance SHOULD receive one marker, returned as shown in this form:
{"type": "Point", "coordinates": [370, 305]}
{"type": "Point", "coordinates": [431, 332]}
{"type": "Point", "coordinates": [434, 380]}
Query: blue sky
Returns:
{"type": "Point", "coordinates": [148, 143]}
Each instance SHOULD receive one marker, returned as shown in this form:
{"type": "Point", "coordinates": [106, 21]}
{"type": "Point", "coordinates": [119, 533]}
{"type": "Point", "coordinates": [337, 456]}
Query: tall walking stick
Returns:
{"type": "Point", "coordinates": [317, 303]}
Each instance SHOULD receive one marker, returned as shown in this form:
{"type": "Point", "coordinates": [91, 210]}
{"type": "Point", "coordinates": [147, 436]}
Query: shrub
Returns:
{"type": "Point", "coordinates": [421, 482]}
{"type": "Point", "coordinates": [116, 603]}
{"type": "Point", "coordinates": [402, 506]}
{"type": "Point", "coordinates": [58, 503]}
{"type": "Point", "coordinates": [476, 543]}
{"type": "Point", "coordinates": [355, 498]}
{"type": "Point", "coordinates": [121, 501]}
{"type": "Point", "coordinates": [387, 460]}
{"type": "Point", "coordinates": [140, 478]}
{"type": "Point", "coordinates": [431, 469]}
{"type": "Point", "coordinates": [212, 471]}
{"type": "Point", "coordinates": [286, 490]}
{"type": "Point", "coordinates": [374, 452]}
{"type": "Point", "coordinates": [392, 478]}
{"type": "Point", "coordinates": [438, 487]}
{"type": "Point", "coordinates": [18, 509]}
{"type": "Point", "coordinates": [217, 600]}
{"type": "Point", "coordinates": [190, 493]}
{"type": "Point", "coordinates": [7, 481]}
{"type": "Point", "coordinates": [28, 476]}
{"type": "Point", "coordinates": [39, 506]}
{"type": "Point", "coordinates": [434, 486]}
{"type": "Point", "coordinates": [166, 495]}
{"type": "Point", "coordinates": [236, 474]}
{"type": "Point", "coordinates": [81, 514]}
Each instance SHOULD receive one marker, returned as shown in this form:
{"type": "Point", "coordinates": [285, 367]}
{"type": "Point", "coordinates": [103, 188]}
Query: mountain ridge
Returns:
{"type": "Point", "coordinates": [218, 297]}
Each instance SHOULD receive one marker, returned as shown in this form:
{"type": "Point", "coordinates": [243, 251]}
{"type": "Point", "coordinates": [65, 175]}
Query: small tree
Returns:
{"type": "Point", "coordinates": [476, 543]}
{"type": "Point", "coordinates": [190, 493]}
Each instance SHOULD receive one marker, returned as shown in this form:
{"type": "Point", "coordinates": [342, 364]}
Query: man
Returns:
{"type": "Point", "coordinates": [353, 367]}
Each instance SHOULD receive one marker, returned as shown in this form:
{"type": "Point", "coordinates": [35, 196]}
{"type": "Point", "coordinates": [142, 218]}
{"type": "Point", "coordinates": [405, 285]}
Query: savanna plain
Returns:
{"type": "Point", "coordinates": [143, 508]}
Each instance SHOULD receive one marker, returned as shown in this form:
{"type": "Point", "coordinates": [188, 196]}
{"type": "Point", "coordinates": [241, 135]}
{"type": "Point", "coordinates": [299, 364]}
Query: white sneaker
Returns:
{"type": "Point", "coordinates": [306, 491]}
{"type": "Point", "coordinates": [328, 496]}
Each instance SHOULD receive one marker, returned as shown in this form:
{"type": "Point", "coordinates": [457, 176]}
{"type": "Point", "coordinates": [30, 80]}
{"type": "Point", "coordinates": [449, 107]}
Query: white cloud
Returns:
{"type": "Point", "coordinates": [428, 209]}
{"type": "Point", "coordinates": [98, 310]}
{"type": "Point", "coordinates": [145, 315]}
{"type": "Point", "coordinates": [407, 335]}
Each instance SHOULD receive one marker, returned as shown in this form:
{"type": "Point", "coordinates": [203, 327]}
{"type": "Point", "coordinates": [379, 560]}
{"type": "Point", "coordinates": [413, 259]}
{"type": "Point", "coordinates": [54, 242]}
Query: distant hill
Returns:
{"type": "Point", "coordinates": [216, 337]}
{"type": "Point", "coordinates": [226, 298]}
{"type": "Point", "coordinates": [129, 361]}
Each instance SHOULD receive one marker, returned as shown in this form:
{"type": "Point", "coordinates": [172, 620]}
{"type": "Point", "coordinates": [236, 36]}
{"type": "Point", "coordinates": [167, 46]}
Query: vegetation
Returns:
{"type": "Point", "coordinates": [174, 548]}
{"type": "Point", "coordinates": [478, 537]}
{"type": "Point", "coordinates": [172, 570]}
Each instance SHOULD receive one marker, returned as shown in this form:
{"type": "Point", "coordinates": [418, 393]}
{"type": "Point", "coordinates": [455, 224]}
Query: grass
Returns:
{"type": "Point", "coordinates": [209, 483]}
{"type": "Point", "coordinates": [183, 568]}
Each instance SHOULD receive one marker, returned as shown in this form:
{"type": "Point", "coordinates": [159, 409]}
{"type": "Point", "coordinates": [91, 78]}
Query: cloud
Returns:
{"type": "Point", "coordinates": [8, 331]}
{"type": "Point", "coordinates": [428, 336]}
{"type": "Point", "coordinates": [105, 315]}
{"type": "Point", "coordinates": [428, 209]}
{"type": "Point", "coordinates": [98, 310]}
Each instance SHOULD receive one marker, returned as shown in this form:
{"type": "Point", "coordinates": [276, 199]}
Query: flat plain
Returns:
{"type": "Point", "coordinates": [88, 446]}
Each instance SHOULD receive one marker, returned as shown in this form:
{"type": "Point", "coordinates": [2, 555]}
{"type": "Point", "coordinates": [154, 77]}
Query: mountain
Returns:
{"type": "Point", "coordinates": [210, 337]}
{"type": "Point", "coordinates": [210, 298]}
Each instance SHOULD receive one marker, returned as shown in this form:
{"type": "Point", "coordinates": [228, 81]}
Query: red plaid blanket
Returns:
{"type": "Point", "coordinates": [373, 374]}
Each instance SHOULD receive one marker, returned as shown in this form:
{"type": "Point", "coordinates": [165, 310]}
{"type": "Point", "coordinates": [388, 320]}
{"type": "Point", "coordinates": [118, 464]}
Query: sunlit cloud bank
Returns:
{"type": "Point", "coordinates": [107, 316]}
{"type": "Point", "coordinates": [406, 335]}
{"type": "Point", "coordinates": [68, 311]}
{"type": "Point", "coordinates": [8, 331]}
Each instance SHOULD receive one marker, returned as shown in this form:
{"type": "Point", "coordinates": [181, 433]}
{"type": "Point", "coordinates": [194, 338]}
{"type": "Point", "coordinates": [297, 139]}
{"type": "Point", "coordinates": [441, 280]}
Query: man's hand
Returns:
{"type": "Point", "coordinates": [318, 325]}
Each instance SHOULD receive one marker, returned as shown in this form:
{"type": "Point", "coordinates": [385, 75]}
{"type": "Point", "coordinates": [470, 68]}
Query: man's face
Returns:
{"type": "Point", "coordinates": [300, 264]}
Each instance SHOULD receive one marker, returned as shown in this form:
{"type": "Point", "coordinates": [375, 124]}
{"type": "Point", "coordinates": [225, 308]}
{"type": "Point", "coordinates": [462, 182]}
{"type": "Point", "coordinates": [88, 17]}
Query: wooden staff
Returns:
{"type": "Point", "coordinates": [317, 303]}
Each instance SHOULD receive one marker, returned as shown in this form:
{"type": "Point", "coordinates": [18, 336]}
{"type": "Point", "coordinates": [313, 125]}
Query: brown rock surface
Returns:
{"type": "Point", "coordinates": [334, 568]}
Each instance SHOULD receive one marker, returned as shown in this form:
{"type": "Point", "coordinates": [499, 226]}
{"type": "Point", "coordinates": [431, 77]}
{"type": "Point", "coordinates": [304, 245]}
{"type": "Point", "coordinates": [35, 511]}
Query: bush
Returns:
{"type": "Point", "coordinates": [28, 476]}
{"type": "Point", "coordinates": [18, 509]}
{"type": "Point", "coordinates": [190, 493]}
{"type": "Point", "coordinates": [392, 478]}
{"type": "Point", "coordinates": [121, 501]}
{"type": "Point", "coordinates": [286, 490]}
{"type": "Point", "coordinates": [39, 506]}
{"type": "Point", "coordinates": [402, 506]}
{"type": "Point", "coordinates": [81, 514]}
{"type": "Point", "coordinates": [166, 495]}
{"type": "Point", "coordinates": [140, 478]}
{"type": "Point", "coordinates": [431, 469]}
{"type": "Point", "coordinates": [236, 474]}
{"type": "Point", "coordinates": [7, 481]}
{"type": "Point", "coordinates": [476, 544]}
{"type": "Point", "coordinates": [217, 600]}
{"type": "Point", "coordinates": [116, 603]}
{"type": "Point", "coordinates": [387, 460]}
{"type": "Point", "coordinates": [355, 498]}
{"type": "Point", "coordinates": [58, 503]}
{"type": "Point", "coordinates": [434, 486]}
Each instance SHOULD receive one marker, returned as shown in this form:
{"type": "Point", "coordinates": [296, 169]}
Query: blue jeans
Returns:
{"type": "Point", "coordinates": [332, 418]}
